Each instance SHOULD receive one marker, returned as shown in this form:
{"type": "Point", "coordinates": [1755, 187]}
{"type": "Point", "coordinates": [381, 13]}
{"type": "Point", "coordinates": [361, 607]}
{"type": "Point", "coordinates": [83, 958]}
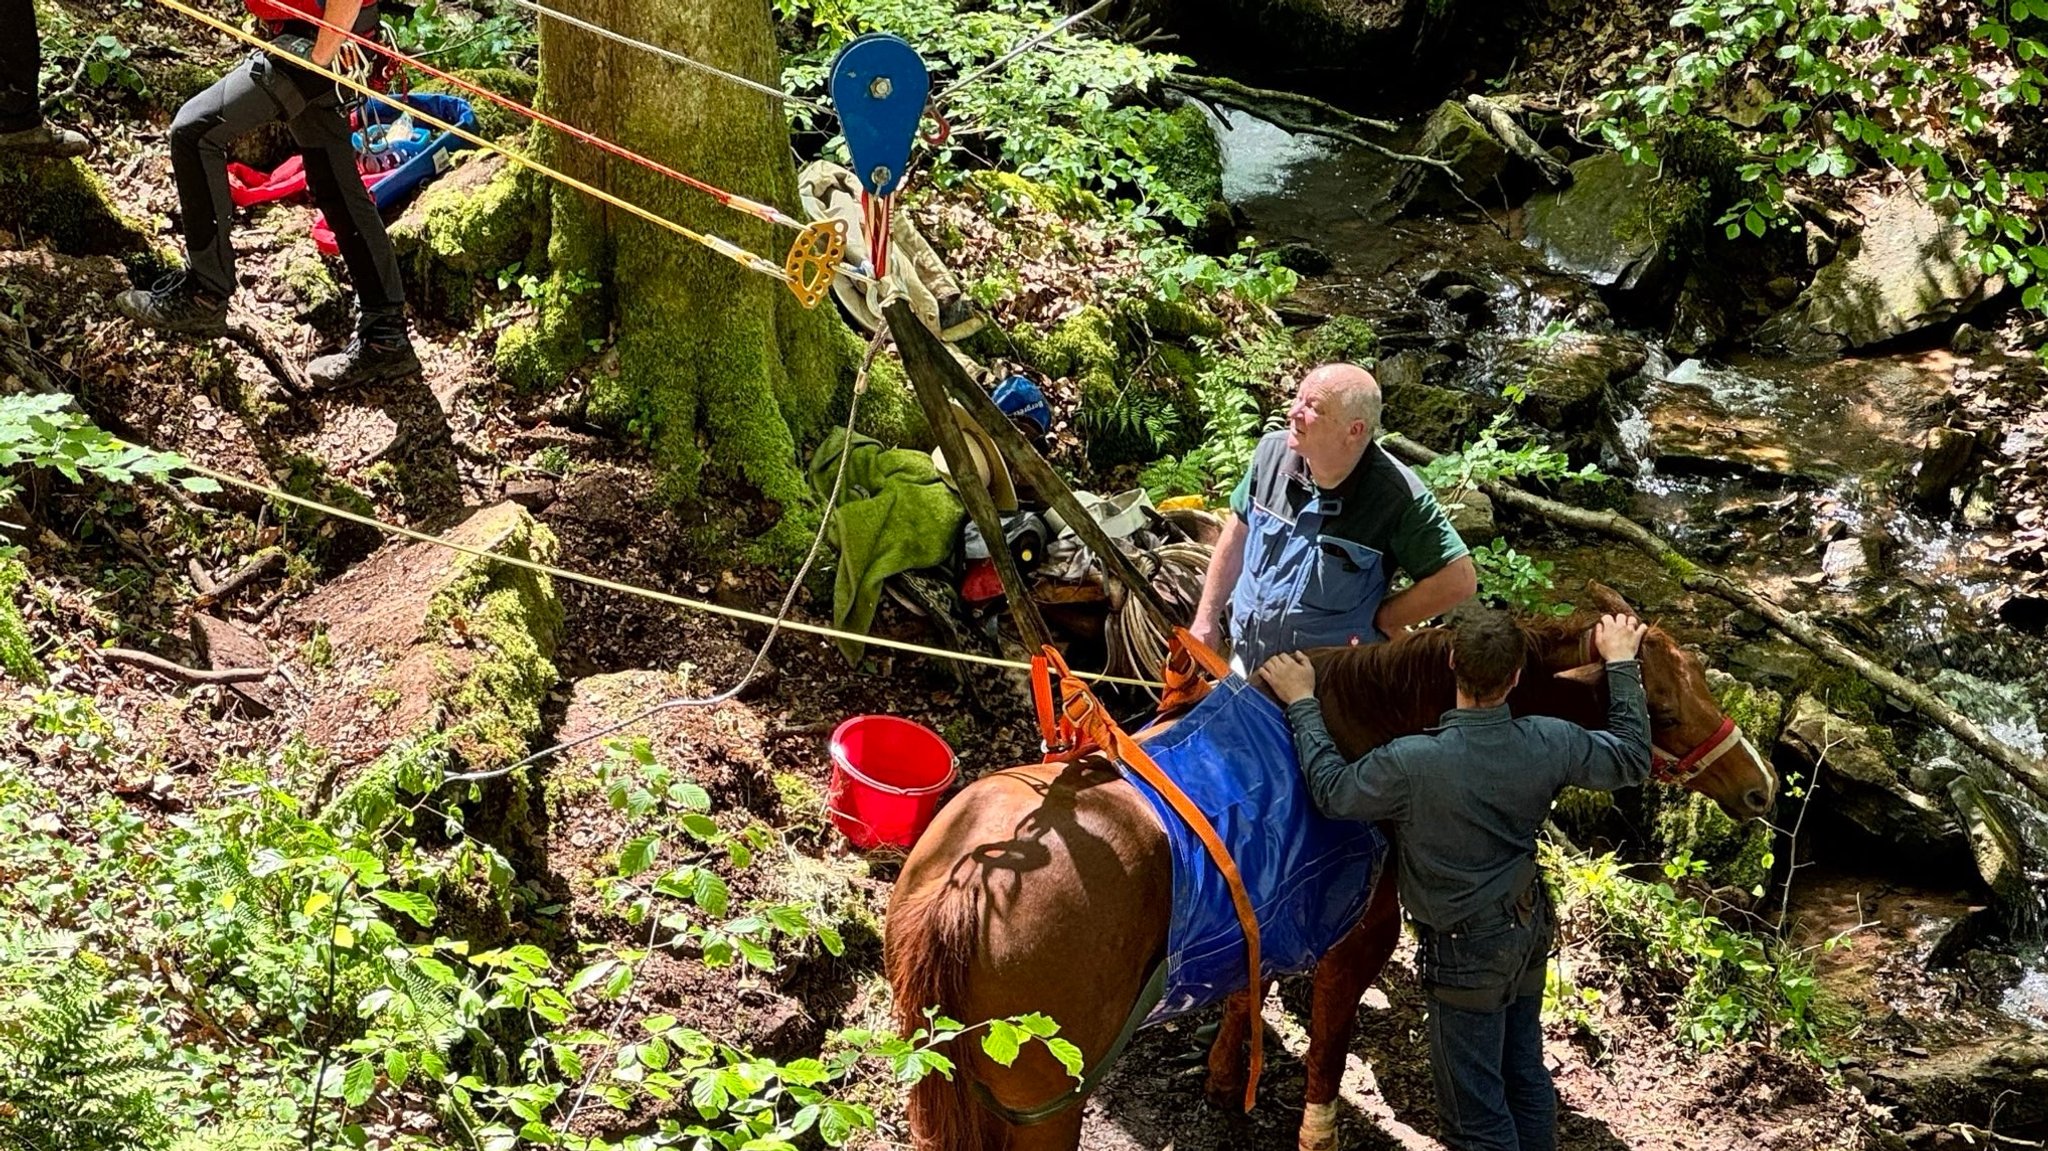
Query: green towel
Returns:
{"type": "Point", "coordinates": [895, 514]}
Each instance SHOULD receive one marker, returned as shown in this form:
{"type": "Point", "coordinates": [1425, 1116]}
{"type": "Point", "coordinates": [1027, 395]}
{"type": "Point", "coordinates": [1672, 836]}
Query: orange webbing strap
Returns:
{"type": "Point", "coordinates": [1084, 713]}
{"type": "Point", "coordinates": [1187, 658]}
{"type": "Point", "coordinates": [1055, 737]}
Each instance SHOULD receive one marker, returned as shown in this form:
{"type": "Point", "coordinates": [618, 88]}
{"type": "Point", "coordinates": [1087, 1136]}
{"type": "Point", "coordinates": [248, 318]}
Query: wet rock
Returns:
{"type": "Point", "coordinates": [1782, 289]}
{"type": "Point", "coordinates": [1306, 259]}
{"type": "Point", "coordinates": [1943, 463]}
{"type": "Point", "coordinates": [1845, 562]}
{"type": "Point", "coordinates": [1611, 226]}
{"type": "Point", "coordinates": [1980, 507]}
{"type": "Point", "coordinates": [1908, 269]}
{"type": "Point", "coordinates": [1434, 283]}
{"type": "Point", "coordinates": [1856, 769]}
{"type": "Point", "coordinates": [1966, 1081]}
{"type": "Point", "coordinates": [1698, 323]}
{"type": "Point", "coordinates": [1995, 845]}
{"type": "Point", "coordinates": [1568, 380]}
{"type": "Point", "coordinates": [1463, 143]}
{"type": "Point", "coordinates": [2028, 613]}
{"type": "Point", "coordinates": [1969, 340]}
{"type": "Point", "coordinates": [1442, 418]}
{"type": "Point", "coordinates": [1469, 300]}
{"type": "Point", "coordinates": [1993, 971]}
{"type": "Point", "coordinates": [1471, 514]}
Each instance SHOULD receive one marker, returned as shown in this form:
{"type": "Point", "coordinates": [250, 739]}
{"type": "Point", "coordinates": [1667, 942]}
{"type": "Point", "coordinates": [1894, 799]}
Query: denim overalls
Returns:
{"type": "Point", "coordinates": [1301, 586]}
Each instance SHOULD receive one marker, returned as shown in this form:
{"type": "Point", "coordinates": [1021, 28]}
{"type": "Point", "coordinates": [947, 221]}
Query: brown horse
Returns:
{"type": "Point", "coordinates": [1048, 888]}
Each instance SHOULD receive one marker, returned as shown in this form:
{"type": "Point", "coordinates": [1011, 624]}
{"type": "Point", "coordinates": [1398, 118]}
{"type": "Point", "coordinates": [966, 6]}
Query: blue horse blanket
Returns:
{"type": "Point", "coordinates": [1308, 877]}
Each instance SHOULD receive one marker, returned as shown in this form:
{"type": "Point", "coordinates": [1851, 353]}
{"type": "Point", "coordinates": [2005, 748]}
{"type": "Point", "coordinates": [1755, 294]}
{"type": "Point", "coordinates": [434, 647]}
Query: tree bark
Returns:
{"type": "Point", "coordinates": [720, 368]}
{"type": "Point", "coordinates": [2025, 771]}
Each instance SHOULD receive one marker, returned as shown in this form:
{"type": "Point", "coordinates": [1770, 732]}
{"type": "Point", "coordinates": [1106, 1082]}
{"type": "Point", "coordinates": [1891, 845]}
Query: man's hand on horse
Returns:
{"type": "Point", "coordinates": [1289, 676]}
{"type": "Point", "coordinates": [1618, 637]}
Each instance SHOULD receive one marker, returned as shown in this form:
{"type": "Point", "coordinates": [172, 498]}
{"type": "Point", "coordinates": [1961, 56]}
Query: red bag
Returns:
{"type": "Point", "coordinates": [281, 11]}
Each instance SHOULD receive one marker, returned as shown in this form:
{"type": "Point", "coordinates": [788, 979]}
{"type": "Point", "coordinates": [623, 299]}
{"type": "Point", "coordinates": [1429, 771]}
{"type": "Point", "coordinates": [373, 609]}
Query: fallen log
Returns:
{"type": "Point", "coordinates": [1501, 122]}
{"type": "Point", "coordinates": [1298, 113]}
{"type": "Point", "coordinates": [267, 560]}
{"type": "Point", "coordinates": [2027, 772]}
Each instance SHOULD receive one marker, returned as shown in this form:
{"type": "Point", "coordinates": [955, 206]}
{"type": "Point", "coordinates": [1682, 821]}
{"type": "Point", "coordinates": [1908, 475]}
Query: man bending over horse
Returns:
{"type": "Point", "coordinates": [1322, 519]}
{"type": "Point", "coordinates": [1468, 799]}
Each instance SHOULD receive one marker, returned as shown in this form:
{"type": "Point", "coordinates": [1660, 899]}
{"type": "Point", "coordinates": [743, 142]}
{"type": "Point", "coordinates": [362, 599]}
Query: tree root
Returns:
{"type": "Point", "coordinates": [179, 671]}
{"type": "Point", "coordinates": [260, 347]}
{"type": "Point", "coordinates": [265, 561]}
{"type": "Point", "coordinates": [2027, 772]}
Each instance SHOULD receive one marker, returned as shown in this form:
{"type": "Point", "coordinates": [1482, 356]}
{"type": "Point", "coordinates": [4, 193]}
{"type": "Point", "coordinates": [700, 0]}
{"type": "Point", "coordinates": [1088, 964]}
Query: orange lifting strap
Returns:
{"type": "Point", "coordinates": [1082, 715]}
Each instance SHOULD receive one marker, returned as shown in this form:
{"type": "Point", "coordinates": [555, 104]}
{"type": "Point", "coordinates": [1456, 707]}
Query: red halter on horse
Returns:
{"type": "Point", "coordinates": [1048, 887]}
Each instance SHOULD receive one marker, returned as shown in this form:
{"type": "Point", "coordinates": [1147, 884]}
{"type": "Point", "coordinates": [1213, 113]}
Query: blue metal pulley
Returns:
{"type": "Point", "coordinates": [879, 86]}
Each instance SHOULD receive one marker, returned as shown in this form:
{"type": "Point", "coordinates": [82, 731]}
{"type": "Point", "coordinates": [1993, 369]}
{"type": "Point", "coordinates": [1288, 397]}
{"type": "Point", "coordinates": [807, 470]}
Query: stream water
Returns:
{"type": "Point", "coordinates": [1789, 475]}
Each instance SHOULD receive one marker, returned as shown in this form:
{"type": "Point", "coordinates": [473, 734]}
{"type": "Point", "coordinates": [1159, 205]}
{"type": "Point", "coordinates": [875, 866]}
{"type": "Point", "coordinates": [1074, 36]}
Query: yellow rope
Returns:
{"type": "Point", "coordinates": [724, 248]}
{"type": "Point", "coordinates": [626, 588]}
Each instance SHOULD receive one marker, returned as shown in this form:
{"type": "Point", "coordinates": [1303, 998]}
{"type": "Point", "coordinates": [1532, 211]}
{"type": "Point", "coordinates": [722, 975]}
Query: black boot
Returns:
{"type": "Point", "coordinates": [380, 350]}
{"type": "Point", "coordinates": [176, 304]}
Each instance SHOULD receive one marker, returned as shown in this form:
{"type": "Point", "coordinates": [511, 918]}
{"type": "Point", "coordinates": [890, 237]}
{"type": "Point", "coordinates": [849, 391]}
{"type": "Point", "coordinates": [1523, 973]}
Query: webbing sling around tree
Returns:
{"type": "Point", "coordinates": [1081, 713]}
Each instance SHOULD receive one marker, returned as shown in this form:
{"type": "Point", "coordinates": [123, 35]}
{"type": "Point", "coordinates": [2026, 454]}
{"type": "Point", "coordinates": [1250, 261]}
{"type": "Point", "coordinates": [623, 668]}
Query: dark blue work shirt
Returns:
{"type": "Point", "coordinates": [1470, 795]}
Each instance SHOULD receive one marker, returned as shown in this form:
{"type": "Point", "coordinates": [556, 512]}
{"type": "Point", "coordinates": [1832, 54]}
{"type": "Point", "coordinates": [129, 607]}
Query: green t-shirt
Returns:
{"type": "Point", "coordinates": [1386, 506]}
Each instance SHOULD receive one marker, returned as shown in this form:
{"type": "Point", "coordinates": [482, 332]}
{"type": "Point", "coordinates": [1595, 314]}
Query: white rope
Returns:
{"type": "Point", "coordinates": [1004, 60]}
{"type": "Point", "coordinates": [677, 57]}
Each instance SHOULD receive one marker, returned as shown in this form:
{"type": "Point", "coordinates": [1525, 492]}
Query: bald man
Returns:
{"type": "Point", "coordinates": [1322, 520]}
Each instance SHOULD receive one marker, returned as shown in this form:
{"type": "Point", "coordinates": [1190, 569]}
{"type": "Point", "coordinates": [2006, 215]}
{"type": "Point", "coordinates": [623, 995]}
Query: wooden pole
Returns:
{"type": "Point", "coordinates": [924, 361]}
{"type": "Point", "coordinates": [1024, 458]}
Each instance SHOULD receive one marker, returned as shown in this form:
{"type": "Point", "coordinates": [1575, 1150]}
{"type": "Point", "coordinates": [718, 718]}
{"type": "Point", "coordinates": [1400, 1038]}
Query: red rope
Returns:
{"type": "Point", "coordinates": [729, 199]}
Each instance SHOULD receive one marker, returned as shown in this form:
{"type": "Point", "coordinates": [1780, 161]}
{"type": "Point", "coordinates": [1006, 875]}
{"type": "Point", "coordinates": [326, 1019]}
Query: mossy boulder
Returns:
{"type": "Point", "coordinates": [465, 229]}
{"type": "Point", "coordinates": [1855, 763]}
{"type": "Point", "coordinates": [1341, 338]}
{"type": "Point", "coordinates": [1473, 153]}
{"type": "Point", "coordinates": [1613, 224]}
{"type": "Point", "coordinates": [64, 202]}
{"type": "Point", "coordinates": [1181, 146]}
{"type": "Point", "coordinates": [422, 643]}
{"type": "Point", "coordinates": [1442, 418]}
{"type": "Point", "coordinates": [1569, 381]}
{"type": "Point", "coordinates": [1003, 191]}
{"type": "Point", "coordinates": [17, 653]}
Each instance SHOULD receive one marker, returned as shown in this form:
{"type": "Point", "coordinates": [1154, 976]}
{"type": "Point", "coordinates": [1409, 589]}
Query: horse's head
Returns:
{"type": "Point", "coordinates": [1697, 746]}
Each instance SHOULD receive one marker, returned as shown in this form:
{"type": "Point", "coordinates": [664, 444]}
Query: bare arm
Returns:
{"type": "Point", "coordinates": [1224, 566]}
{"type": "Point", "coordinates": [341, 14]}
{"type": "Point", "coordinates": [1449, 586]}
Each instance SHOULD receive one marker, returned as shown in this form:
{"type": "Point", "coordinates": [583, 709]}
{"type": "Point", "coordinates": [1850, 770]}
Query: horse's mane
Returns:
{"type": "Point", "coordinates": [1375, 693]}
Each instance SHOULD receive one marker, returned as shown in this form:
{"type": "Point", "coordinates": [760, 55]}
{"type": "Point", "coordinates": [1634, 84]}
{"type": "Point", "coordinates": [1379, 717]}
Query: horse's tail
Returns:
{"type": "Point", "coordinates": [930, 945]}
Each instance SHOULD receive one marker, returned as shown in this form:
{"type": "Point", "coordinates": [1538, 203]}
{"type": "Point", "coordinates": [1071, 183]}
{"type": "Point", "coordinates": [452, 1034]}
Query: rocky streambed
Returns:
{"type": "Point", "coordinates": [1839, 428]}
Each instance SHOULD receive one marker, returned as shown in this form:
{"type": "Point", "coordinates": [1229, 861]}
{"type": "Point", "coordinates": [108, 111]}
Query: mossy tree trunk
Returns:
{"type": "Point", "coordinates": [719, 367]}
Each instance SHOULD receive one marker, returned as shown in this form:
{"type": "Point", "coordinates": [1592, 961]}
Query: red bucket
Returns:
{"type": "Point", "coordinates": [888, 776]}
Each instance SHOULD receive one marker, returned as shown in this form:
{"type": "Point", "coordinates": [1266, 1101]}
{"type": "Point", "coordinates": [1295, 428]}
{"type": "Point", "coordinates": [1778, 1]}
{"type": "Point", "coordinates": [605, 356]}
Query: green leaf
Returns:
{"type": "Point", "coordinates": [700, 827]}
{"type": "Point", "coordinates": [436, 970]}
{"type": "Point", "coordinates": [591, 974]}
{"type": "Point", "coordinates": [710, 891]}
{"type": "Point", "coordinates": [1754, 221]}
{"type": "Point", "coordinates": [201, 484]}
{"type": "Point", "coordinates": [397, 1066]}
{"type": "Point", "coordinates": [410, 903]}
{"type": "Point", "coordinates": [834, 945]}
{"type": "Point", "coordinates": [1000, 1042]}
{"type": "Point", "coordinates": [358, 1083]}
{"type": "Point", "coordinates": [689, 796]}
{"type": "Point", "coordinates": [754, 953]}
{"type": "Point", "coordinates": [638, 855]}
{"type": "Point", "coordinates": [1068, 1055]}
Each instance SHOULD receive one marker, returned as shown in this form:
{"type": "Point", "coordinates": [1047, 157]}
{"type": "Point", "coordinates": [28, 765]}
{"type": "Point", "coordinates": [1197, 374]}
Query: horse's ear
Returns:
{"type": "Point", "coordinates": [1590, 674]}
{"type": "Point", "coordinates": [1607, 599]}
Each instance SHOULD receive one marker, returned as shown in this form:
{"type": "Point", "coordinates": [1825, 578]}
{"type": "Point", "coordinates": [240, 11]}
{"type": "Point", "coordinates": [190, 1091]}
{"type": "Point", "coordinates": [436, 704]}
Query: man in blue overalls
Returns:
{"type": "Point", "coordinates": [1323, 518]}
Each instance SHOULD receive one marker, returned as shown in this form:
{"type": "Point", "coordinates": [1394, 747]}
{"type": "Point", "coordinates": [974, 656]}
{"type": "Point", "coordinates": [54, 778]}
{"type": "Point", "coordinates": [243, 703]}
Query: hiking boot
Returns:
{"type": "Point", "coordinates": [368, 359]}
{"type": "Point", "coordinates": [45, 140]}
{"type": "Point", "coordinates": [176, 304]}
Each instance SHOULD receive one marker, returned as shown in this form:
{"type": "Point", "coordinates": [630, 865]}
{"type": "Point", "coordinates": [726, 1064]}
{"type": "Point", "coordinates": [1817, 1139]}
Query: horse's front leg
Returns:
{"type": "Point", "coordinates": [1342, 975]}
{"type": "Point", "coordinates": [1228, 1055]}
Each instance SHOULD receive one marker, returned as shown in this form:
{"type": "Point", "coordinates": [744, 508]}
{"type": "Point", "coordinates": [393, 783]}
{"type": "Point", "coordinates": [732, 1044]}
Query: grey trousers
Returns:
{"type": "Point", "coordinates": [265, 90]}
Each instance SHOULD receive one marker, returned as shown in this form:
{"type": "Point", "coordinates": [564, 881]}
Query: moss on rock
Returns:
{"type": "Point", "coordinates": [318, 298]}
{"type": "Point", "coordinates": [1181, 146]}
{"type": "Point", "coordinates": [1003, 191]}
{"type": "Point", "coordinates": [465, 229]}
{"type": "Point", "coordinates": [17, 653]}
{"type": "Point", "coordinates": [66, 202]}
{"type": "Point", "coordinates": [1341, 338]}
{"type": "Point", "coordinates": [511, 616]}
